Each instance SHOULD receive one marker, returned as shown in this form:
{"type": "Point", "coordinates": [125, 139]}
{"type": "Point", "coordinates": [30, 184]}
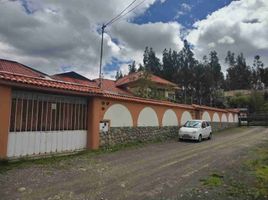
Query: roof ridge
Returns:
{"type": "Point", "coordinates": [53, 80]}
{"type": "Point", "coordinates": [25, 66]}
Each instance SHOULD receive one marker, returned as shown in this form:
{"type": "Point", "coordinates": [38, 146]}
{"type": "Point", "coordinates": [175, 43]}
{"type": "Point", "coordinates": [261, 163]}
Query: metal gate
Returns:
{"type": "Point", "coordinates": [44, 123]}
{"type": "Point", "coordinates": [258, 119]}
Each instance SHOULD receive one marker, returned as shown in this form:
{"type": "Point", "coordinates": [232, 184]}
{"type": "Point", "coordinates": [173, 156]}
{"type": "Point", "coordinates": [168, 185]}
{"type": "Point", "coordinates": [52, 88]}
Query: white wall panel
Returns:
{"type": "Point", "coordinates": [236, 118]}
{"type": "Point", "coordinates": [37, 143]}
{"type": "Point", "coordinates": [206, 116]}
{"type": "Point", "coordinates": [170, 118]}
{"type": "Point", "coordinates": [216, 117]}
{"type": "Point", "coordinates": [148, 117]}
{"type": "Point", "coordinates": [224, 118]}
{"type": "Point", "coordinates": [186, 116]}
{"type": "Point", "coordinates": [230, 118]}
{"type": "Point", "coordinates": [119, 116]}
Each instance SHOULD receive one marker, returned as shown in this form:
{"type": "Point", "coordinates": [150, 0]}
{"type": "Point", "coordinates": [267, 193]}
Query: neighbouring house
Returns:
{"type": "Point", "coordinates": [63, 113]}
{"type": "Point", "coordinates": [140, 84]}
{"type": "Point", "coordinates": [146, 85]}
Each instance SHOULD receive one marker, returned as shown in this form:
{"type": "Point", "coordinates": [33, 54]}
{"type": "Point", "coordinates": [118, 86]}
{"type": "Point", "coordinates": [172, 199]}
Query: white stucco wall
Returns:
{"type": "Point", "coordinates": [119, 116]}
{"type": "Point", "coordinates": [224, 118]}
{"type": "Point", "coordinates": [205, 116]}
{"type": "Point", "coordinates": [170, 118]}
{"type": "Point", "coordinates": [230, 118]}
{"type": "Point", "coordinates": [236, 118]}
{"type": "Point", "coordinates": [186, 116]}
{"type": "Point", "coordinates": [148, 117]}
{"type": "Point", "coordinates": [216, 117]}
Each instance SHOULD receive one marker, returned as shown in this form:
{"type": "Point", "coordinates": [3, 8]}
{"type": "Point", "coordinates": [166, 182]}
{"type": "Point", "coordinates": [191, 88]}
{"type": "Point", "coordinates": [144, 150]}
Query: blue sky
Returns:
{"type": "Point", "coordinates": [186, 12]}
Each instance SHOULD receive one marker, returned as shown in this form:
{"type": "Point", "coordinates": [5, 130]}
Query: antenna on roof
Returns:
{"type": "Point", "coordinates": [116, 18]}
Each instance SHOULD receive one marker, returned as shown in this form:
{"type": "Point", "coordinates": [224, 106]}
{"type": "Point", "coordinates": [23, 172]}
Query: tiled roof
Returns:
{"type": "Point", "coordinates": [213, 108]}
{"type": "Point", "coordinates": [143, 100]}
{"type": "Point", "coordinates": [46, 83]}
{"type": "Point", "coordinates": [15, 73]}
{"type": "Point", "coordinates": [68, 78]}
{"type": "Point", "coordinates": [17, 68]}
{"type": "Point", "coordinates": [137, 75]}
{"type": "Point", "coordinates": [110, 86]}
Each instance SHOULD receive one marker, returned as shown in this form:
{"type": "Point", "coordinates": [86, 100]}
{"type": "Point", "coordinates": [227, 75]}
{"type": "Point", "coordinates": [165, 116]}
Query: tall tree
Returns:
{"type": "Point", "coordinates": [132, 68]}
{"type": "Point", "coordinates": [151, 62]}
{"type": "Point", "coordinates": [259, 76]}
{"type": "Point", "coordinates": [238, 74]}
{"type": "Point", "coordinates": [168, 64]}
{"type": "Point", "coordinates": [215, 70]}
{"type": "Point", "coordinates": [141, 68]}
{"type": "Point", "coordinates": [118, 74]}
{"type": "Point", "coordinates": [188, 63]}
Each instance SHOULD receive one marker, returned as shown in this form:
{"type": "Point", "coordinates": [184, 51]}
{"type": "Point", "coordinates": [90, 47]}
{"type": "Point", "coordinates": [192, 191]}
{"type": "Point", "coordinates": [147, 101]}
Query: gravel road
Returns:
{"type": "Point", "coordinates": [155, 171]}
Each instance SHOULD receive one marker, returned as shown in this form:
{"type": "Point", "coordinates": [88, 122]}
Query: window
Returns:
{"type": "Point", "coordinates": [193, 124]}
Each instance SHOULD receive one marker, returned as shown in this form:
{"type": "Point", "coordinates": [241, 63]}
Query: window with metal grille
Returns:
{"type": "Point", "coordinates": [46, 112]}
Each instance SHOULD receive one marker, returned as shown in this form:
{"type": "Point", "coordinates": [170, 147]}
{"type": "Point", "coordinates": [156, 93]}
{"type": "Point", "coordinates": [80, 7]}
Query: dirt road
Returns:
{"type": "Point", "coordinates": [156, 171]}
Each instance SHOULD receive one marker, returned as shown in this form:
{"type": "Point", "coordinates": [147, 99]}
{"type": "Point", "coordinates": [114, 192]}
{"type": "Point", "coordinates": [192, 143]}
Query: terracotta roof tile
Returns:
{"type": "Point", "coordinates": [48, 83]}
{"type": "Point", "coordinates": [74, 80]}
{"type": "Point", "coordinates": [110, 86]}
{"type": "Point", "coordinates": [12, 72]}
{"type": "Point", "coordinates": [137, 75]}
{"type": "Point", "coordinates": [17, 68]}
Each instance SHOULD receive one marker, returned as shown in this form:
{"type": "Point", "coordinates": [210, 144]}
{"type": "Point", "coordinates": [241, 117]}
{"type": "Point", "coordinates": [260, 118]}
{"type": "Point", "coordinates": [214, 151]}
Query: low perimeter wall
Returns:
{"type": "Point", "coordinates": [218, 126]}
{"type": "Point", "coordinates": [125, 135]}
{"type": "Point", "coordinates": [133, 134]}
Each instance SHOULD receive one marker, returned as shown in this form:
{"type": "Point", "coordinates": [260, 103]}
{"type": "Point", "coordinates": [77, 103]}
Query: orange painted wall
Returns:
{"type": "Point", "coordinates": [5, 107]}
{"type": "Point", "coordinates": [136, 108]}
{"type": "Point", "coordinates": [94, 118]}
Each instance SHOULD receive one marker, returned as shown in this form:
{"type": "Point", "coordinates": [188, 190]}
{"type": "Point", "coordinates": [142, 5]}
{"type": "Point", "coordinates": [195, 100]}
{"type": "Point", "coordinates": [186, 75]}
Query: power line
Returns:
{"type": "Point", "coordinates": [117, 16]}
{"type": "Point", "coordinates": [128, 11]}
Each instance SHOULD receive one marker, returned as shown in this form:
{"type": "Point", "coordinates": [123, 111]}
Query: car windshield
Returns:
{"type": "Point", "coordinates": [193, 124]}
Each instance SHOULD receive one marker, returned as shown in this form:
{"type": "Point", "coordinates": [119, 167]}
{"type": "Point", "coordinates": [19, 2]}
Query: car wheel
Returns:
{"type": "Point", "coordinates": [200, 138]}
{"type": "Point", "coordinates": [210, 136]}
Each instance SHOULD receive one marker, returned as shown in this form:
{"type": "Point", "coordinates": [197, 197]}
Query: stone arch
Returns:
{"type": "Point", "coordinates": [186, 116]}
{"type": "Point", "coordinates": [170, 118]}
{"type": "Point", "coordinates": [148, 117]}
{"type": "Point", "coordinates": [224, 118]}
{"type": "Point", "coordinates": [216, 117]}
{"type": "Point", "coordinates": [119, 116]}
{"type": "Point", "coordinates": [206, 116]}
{"type": "Point", "coordinates": [230, 118]}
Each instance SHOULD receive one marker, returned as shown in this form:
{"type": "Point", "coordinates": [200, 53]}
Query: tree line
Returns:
{"type": "Point", "coordinates": [203, 82]}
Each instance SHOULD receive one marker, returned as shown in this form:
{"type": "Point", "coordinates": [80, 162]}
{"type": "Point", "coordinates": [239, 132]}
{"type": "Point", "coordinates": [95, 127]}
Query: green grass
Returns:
{"type": "Point", "coordinates": [259, 168]}
{"type": "Point", "coordinates": [214, 180]}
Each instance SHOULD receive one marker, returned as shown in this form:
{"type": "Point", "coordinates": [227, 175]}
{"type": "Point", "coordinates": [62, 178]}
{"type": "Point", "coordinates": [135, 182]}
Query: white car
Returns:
{"type": "Point", "coordinates": [195, 130]}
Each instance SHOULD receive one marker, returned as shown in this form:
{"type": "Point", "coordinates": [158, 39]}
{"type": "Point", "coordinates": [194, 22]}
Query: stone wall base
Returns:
{"type": "Point", "coordinates": [123, 135]}
{"type": "Point", "coordinates": [218, 126]}
{"type": "Point", "coordinates": [137, 134]}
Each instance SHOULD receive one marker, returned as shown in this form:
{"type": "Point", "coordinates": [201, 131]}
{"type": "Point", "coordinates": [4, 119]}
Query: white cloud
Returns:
{"type": "Point", "coordinates": [64, 34]}
{"type": "Point", "coordinates": [242, 26]}
{"type": "Point", "coordinates": [184, 8]}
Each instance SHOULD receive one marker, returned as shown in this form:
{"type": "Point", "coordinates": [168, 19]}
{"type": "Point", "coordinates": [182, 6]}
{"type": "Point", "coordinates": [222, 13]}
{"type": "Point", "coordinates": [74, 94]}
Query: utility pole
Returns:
{"type": "Point", "coordinates": [100, 75]}
{"type": "Point", "coordinates": [117, 17]}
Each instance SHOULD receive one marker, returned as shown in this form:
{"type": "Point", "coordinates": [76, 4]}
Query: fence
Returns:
{"type": "Point", "coordinates": [45, 123]}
